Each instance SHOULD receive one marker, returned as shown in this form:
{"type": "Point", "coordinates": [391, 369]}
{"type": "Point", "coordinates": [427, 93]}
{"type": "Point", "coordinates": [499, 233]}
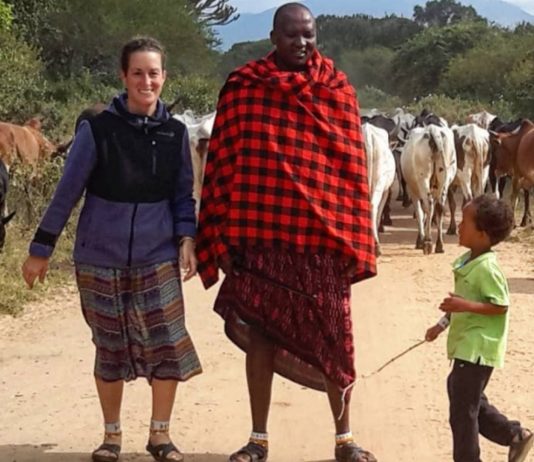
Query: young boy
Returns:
{"type": "Point", "coordinates": [478, 316]}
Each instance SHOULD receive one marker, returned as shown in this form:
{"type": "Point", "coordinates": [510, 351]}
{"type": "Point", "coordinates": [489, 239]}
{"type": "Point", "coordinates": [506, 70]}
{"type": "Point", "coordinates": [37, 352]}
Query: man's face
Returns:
{"type": "Point", "coordinates": [294, 37]}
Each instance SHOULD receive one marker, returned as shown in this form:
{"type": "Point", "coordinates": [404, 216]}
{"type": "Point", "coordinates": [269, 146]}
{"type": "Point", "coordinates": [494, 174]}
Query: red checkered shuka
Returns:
{"type": "Point", "coordinates": [286, 168]}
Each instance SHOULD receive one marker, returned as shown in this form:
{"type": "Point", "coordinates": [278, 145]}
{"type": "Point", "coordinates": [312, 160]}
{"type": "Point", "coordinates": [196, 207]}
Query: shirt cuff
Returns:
{"type": "Point", "coordinates": [185, 229]}
{"type": "Point", "coordinates": [40, 250]}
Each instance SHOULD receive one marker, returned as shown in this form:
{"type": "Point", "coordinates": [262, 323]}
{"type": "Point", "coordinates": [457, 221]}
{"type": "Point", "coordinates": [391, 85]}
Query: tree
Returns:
{"type": "Point", "coordinates": [240, 54]}
{"type": "Point", "coordinates": [444, 13]}
{"type": "Point", "coordinates": [30, 16]}
{"type": "Point", "coordinates": [335, 34]}
{"type": "Point", "coordinates": [483, 71]}
{"type": "Point", "coordinates": [69, 47]}
{"type": "Point", "coordinates": [6, 16]}
{"type": "Point", "coordinates": [215, 12]}
{"type": "Point", "coordinates": [420, 63]}
{"type": "Point", "coordinates": [368, 67]}
{"type": "Point", "coordinates": [21, 85]}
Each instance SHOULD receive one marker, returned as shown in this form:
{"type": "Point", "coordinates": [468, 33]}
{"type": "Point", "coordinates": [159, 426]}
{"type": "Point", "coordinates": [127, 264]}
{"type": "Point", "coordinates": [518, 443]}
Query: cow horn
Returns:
{"type": "Point", "coordinates": [6, 220]}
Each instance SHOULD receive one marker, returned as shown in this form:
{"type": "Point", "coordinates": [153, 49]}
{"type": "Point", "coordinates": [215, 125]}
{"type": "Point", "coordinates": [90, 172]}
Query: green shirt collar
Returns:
{"type": "Point", "coordinates": [461, 267]}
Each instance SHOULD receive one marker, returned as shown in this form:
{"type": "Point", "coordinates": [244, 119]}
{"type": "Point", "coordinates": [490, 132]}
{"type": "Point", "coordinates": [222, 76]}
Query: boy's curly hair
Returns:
{"type": "Point", "coordinates": [493, 216]}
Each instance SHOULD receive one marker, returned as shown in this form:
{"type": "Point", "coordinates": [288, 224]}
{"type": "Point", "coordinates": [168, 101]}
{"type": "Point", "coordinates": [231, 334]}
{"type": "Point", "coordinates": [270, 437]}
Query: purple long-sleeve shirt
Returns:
{"type": "Point", "coordinates": [104, 232]}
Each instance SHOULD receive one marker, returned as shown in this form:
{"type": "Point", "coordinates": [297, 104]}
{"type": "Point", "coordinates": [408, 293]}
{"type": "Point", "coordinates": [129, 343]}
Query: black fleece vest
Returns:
{"type": "Point", "coordinates": [135, 165]}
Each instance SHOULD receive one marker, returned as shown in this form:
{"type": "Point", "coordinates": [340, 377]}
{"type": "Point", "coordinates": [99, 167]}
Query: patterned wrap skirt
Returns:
{"type": "Point", "coordinates": [302, 304]}
{"type": "Point", "coordinates": [137, 320]}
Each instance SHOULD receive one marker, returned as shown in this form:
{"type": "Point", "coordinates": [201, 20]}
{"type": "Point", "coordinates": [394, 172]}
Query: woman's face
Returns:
{"type": "Point", "coordinates": [144, 81]}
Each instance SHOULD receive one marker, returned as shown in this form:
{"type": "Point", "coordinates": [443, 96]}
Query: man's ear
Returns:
{"type": "Point", "coordinates": [272, 36]}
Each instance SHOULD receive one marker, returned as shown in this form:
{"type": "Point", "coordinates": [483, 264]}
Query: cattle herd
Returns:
{"type": "Point", "coordinates": [434, 160]}
{"type": "Point", "coordinates": [430, 160]}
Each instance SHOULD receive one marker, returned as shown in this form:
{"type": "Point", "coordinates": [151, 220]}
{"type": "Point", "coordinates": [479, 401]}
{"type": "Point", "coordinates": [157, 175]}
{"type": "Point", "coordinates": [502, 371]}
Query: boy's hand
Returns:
{"type": "Point", "coordinates": [455, 304]}
{"type": "Point", "coordinates": [433, 332]}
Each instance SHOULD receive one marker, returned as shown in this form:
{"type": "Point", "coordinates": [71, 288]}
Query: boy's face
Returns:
{"type": "Point", "coordinates": [468, 234]}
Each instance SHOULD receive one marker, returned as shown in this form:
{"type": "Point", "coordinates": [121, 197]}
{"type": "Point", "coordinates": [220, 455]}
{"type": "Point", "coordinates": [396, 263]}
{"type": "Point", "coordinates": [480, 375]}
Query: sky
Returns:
{"type": "Point", "coordinates": [256, 6]}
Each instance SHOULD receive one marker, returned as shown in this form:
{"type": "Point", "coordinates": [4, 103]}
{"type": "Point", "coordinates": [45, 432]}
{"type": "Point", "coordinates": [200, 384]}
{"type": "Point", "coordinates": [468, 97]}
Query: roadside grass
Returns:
{"type": "Point", "coordinates": [29, 195]}
{"type": "Point", "coordinates": [14, 293]}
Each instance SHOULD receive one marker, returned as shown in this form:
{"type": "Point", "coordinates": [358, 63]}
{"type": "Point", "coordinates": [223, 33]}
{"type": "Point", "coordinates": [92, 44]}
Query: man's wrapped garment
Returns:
{"type": "Point", "coordinates": [285, 198]}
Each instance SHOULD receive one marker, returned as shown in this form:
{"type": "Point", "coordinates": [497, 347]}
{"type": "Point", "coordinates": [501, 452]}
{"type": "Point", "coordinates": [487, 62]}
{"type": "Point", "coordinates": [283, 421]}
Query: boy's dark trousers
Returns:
{"type": "Point", "coordinates": [471, 413]}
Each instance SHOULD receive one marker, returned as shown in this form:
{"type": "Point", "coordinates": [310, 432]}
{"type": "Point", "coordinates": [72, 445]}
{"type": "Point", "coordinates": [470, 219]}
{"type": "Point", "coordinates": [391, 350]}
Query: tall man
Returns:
{"type": "Point", "coordinates": [285, 213]}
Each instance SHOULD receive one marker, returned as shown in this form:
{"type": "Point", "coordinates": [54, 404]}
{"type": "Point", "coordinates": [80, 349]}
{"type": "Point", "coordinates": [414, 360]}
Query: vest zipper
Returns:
{"type": "Point", "coordinates": [154, 158]}
{"type": "Point", "coordinates": [130, 244]}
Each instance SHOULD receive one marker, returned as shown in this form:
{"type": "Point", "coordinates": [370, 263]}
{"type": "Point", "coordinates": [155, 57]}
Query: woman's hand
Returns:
{"type": "Point", "coordinates": [188, 259]}
{"type": "Point", "coordinates": [34, 267]}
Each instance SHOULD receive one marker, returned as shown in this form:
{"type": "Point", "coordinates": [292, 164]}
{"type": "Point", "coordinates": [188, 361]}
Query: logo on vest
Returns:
{"type": "Point", "coordinates": [169, 134]}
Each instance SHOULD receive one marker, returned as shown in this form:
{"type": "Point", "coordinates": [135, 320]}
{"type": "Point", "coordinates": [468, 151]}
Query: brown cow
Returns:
{"type": "Point", "coordinates": [24, 144]}
{"type": "Point", "coordinates": [514, 155]}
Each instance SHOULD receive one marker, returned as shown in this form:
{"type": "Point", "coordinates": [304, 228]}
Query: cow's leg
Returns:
{"type": "Point", "coordinates": [400, 179]}
{"type": "Point", "coordinates": [427, 205]}
{"type": "Point", "coordinates": [375, 202]}
{"type": "Point", "coordinates": [420, 224]}
{"type": "Point", "coordinates": [514, 196]}
{"type": "Point", "coordinates": [501, 184]}
{"type": "Point", "coordinates": [406, 201]}
{"type": "Point", "coordinates": [527, 219]}
{"type": "Point", "coordinates": [385, 216]}
{"type": "Point", "coordinates": [439, 215]}
{"type": "Point", "coordinates": [452, 230]}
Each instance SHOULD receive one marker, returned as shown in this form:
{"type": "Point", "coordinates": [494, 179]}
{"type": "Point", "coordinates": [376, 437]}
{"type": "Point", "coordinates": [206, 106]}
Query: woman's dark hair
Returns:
{"type": "Point", "coordinates": [141, 44]}
{"type": "Point", "coordinates": [493, 216]}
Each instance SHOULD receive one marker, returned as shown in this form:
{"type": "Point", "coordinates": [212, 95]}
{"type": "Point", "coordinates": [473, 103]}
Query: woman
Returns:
{"type": "Point", "coordinates": [134, 164]}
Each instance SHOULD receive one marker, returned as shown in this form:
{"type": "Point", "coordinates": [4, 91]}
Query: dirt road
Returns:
{"type": "Point", "coordinates": [50, 412]}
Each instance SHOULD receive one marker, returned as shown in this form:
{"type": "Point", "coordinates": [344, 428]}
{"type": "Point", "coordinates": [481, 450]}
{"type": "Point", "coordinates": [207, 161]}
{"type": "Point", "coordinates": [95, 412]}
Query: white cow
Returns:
{"type": "Point", "coordinates": [428, 163]}
{"type": "Point", "coordinates": [381, 172]}
{"type": "Point", "coordinates": [199, 130]}
{"type": "Point", "coordinates": [483, 119]}
{"type": "Point", "coordinates": [472, 156]}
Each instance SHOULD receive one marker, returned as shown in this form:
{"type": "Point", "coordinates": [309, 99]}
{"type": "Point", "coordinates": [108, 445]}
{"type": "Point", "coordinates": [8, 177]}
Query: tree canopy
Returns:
{"type": "Point", "coordinates": [444, 13]}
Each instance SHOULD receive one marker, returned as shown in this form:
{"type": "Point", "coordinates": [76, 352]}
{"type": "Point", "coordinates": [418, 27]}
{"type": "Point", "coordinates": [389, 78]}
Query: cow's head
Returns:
{"type": "Point", "coordinates": [3, 222]}
{"type": "Point", "coordinates": [502, 159]}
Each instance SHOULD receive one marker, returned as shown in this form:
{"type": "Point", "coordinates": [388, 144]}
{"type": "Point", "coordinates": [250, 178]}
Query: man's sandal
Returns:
{"type": "Point", "coordinates": [351, 452]}
{"type": "Point", "coordinates": [519, 449]}
{"type": "Point", "coordinates": [113, 450]}
{"type": "Point", "coordinates": [255, 452]}
{"type": "Point", "coordinates": [161, 452]}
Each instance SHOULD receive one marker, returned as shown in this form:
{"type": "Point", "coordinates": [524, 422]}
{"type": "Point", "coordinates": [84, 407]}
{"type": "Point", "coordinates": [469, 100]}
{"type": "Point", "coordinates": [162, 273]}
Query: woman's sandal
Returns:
{"type": "Point", "coordinates": [255, 452]}
{"type": "Point", "coordinates": [519, 449]}
{"type": "Point", "coordinates": [110, 448]}
{"type": "Point", "coordinates": [161, 452]}
{"type": "Point", "coordinates": [351, 452]}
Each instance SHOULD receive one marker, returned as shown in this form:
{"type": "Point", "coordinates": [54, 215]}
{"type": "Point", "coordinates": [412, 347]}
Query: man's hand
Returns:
{"type": "Point", "coordinates": [188, 259]}
{"type": "Point", "coordinates": [455, 304]}
{"type": "Point", "coordinates": [34, 267]}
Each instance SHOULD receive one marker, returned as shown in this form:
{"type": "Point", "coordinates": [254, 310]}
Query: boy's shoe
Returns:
{"type": "Point", "coordinates": [519, 449]}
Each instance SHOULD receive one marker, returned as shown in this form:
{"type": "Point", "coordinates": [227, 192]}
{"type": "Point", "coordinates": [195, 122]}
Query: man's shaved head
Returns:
{"type": "Point", "coordinates": [279, 13]}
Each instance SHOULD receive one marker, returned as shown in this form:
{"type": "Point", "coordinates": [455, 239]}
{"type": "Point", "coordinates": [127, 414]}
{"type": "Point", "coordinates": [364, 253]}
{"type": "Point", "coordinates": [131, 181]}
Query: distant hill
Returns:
{"type": "Point", "coordinates": [256, 26]}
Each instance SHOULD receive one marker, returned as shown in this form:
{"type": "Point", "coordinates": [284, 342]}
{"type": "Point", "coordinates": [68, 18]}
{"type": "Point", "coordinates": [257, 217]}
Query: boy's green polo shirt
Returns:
{"type": "Point", "coordinates": [477, 338]}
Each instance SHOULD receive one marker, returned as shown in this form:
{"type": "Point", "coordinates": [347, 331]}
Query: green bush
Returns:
{"type": "Point", "coordinates": [455, 110]}
{"type": "Point", "coordinates": [191, 92]}
{"type": "Point", "coordinates": [22, 85]}
{"type": "Point", "coordinates": [374, 98]}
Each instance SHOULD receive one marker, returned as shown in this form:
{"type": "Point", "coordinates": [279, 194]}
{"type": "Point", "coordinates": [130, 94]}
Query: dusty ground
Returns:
{"type": "Point", "coordinates": [50, 412]}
